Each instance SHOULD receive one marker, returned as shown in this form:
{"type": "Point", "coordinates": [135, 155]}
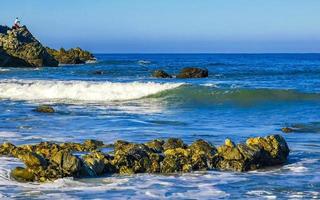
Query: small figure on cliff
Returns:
{"type": "Point", "coordinates": [16, 23]}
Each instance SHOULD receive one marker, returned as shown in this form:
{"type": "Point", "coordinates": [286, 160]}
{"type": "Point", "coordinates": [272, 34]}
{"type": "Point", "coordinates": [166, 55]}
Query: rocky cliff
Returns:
{"type": "Point", "coordinates": [19, 48]}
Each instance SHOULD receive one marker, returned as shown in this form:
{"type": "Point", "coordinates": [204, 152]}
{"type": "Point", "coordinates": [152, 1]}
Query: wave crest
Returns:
{"type": "Point", "coordinates": [79, 90]}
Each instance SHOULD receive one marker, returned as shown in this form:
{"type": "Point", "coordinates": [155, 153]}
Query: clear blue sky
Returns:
{"type": "Point", "coordinates": [153, 26]}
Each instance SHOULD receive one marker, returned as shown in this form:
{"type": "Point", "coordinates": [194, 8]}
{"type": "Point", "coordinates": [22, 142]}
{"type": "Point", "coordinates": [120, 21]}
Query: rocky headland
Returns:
{"type": "Point", "coordinates": [71, 56]}
{"type": "Point", "coordinates": [48, 161]}
{"type": "Point", "coordinates": [19, 48]}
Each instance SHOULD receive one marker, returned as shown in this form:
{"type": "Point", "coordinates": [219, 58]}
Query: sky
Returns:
{"type": "Point", "coordinates": [171, 26]}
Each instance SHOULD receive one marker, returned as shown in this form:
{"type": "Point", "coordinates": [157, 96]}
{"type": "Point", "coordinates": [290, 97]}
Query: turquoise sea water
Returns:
{"type": "Point", "coordinates": [245, 95]}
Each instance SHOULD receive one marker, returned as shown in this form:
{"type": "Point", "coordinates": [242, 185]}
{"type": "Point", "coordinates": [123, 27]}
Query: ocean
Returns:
{"type": "Point", "coordinates": [245, 95]}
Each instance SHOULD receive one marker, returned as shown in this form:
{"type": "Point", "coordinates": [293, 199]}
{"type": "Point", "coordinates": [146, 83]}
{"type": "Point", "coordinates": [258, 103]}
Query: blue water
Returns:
{"type": "Point", "coordinates": [245, 95]}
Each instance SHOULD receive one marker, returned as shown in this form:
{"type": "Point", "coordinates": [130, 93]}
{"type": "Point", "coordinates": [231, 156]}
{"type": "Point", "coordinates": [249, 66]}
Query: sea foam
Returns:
{"type": "Point", "coordinates": [79, 90]}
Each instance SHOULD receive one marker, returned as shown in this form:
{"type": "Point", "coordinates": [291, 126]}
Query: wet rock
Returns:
{"type": "Point", "coordinates": [202, 155]}
{"type": "Point", "coordinates": [131, 158]}
{"type": "Point", "coordinates": [99, 163]}
{"type": "Point", "coordinates": [7, 149]}
{"type": "Point", "coordinates": [19, 48]}
{"type": "Point", "coordinates": [192, 72]}
{"type": "Point", "coordinates": [176, 160]}
{"type": "Point", "coordinates": [155, 145]}
{"type": "Point", "coordinates": [275, 147]}
{"type": "Point", "coordinates": [161, 74]}
{"type": "Point", "coordinates": [32, 159]}
{"type": "Point", "coordinates": [287, 130]}
{"type": "Point", "coordinates": [71, 56]}
{"type": "Point", "coordinates": [49, 161]}
{"type": "Point", "coordinates": [173, 143]}
{"type": "Point", "coordinates": [45, 109]}
{"type": "Point", "coordinates": [93, 144]}
{"type": "Point", "coordinates": [22, 175]}
{"type": "Point", "coordinates": [68, 162]}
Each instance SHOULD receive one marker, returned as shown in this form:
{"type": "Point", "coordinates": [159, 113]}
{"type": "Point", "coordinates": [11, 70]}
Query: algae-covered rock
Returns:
{"type": "Point", "coordinates": [193, 72]}
{"type": "Point", "coordinates": [45, 109]}
{"type": "Point", "coordinates": [161, 74]}
{"type": "Point", "coordinates": [22, 175]}
{"type": "Point", "coordinates": [32, 159]}
{"type": "Point", "coordinates": [49, 161]}
{"type": "Point", "coordinates": [202, 155]}
{"type": "Point", "coordinates": [275, 146]}
{"type": "Point", "coordinates": [68, 162]}
{"type": "Point", "coordinates": [7, 149]}
{"type": "Point", "coordinates": [176, 160]}
{"type": "Point", "coordinates": [155, 145]}
{"type": "Point", "coordinates": [131, 158]}
{"type": "Point", "coordinates": [173, 143]}
{"type": "Point", "coordinates": [99, 163]}
{"type": "Point", "coordinates": [71, 56]}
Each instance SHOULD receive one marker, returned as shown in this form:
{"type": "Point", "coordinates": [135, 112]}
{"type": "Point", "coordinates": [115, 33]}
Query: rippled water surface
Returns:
{"type": "Point", "coordinates": [245, 95]}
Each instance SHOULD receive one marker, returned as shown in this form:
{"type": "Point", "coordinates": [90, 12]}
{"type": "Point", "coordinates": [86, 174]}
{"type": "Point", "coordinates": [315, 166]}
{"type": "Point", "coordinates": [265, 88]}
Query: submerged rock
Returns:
{"type": "Point", "coordinates": [287, 130]}
{"type": "Point", "coordinates": [192, 72]}
{"type": "Point", "coordinates": [19, 48]}
{"type": "Point", "coordinates": [71, 56]}
{"type": "Point", "coordinates": [161, 74]}
{"type": "Point", "coordinates": [45, 109]}
{"type": "Point", "coordinates": [49, 161]}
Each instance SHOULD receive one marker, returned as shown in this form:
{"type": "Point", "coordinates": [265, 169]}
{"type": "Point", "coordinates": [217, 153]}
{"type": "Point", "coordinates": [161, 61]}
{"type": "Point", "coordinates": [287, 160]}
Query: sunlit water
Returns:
{"type": "Point", "coordinates": [116, 98]}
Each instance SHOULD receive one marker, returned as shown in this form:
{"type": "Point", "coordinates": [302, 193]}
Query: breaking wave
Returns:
{"type": "Point", "coordinates": [79, 90]}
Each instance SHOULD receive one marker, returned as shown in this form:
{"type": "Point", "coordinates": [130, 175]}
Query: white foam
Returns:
{"type": "Point", "coordinates": [8, 134]}
{"type": "Point", "coordinates": [79, 90]}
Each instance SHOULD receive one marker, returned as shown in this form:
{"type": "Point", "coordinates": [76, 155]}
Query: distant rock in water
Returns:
{"type": "Point", "coordinates": [192, 72]}
{"type": "Point", "coordinates": [161, 74]}
{"type": "Point", "coordinates": [45, 109]}
{"type": "Point", "coordinates": [49, 161]}
{"type": "Point", "coordinates": [71, 56]}
{"type": "Point", "coordinates": [19, 48]}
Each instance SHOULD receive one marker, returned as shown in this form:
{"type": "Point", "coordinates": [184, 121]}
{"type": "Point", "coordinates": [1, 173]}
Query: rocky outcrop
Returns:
{"type": "Point", "coordinates": [71, 56]}
{"type": "Point", "coordinates": [161, 74]}
{"type": "Point", "coordinates": [188, 72]}
{"type": "Point", "coordinates": [19, 48]}
{"type": "Point", "coordinates": [49, 161]}
{"type": "Point", "coordinates": [44, 109]}
{"type": "Point", "coordinates": [192, 72]}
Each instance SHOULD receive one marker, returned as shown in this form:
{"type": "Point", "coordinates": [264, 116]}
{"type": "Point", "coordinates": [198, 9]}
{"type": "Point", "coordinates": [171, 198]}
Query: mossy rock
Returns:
{"type": "Point", "coordinates": [45, 109]}
{"type": "Point", "coordinates": [22, 175]}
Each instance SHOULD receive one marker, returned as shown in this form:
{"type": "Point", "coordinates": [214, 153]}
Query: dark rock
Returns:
{"type": "Point", "coordinates": [161, 74]}
{"type": "Point", "coordinates": [68, 162]}
{"type": "Point", "coordinates": [19, 48]}
{"type": "Point", "coordinates": [155, 145]}
{"type": "Point", "coordinates": [99, 72]}
{"type": "Point", "coordinates": [45, 109]}
{"type": "Point", "coordinates": [99, 163]}
{"type": "Point", "coordinates": [274, 145]}
{"type": "Point", "coordinates": [191, 72]}
{"type": "Point", "coordinates": [71, 56]}
{"type": "Point", "coordinates": [287, 130]}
